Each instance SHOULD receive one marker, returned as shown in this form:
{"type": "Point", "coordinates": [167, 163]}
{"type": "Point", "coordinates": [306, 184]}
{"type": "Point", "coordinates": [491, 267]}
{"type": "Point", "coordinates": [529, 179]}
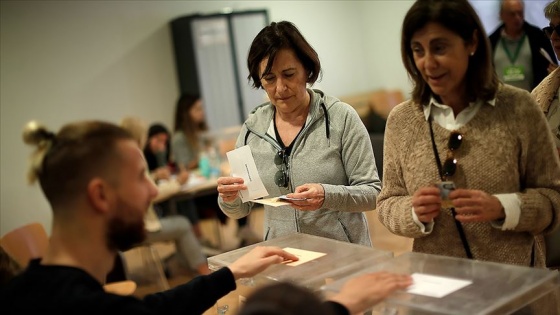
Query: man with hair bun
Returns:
{"type": "Point", "coordinates": [93, 174]}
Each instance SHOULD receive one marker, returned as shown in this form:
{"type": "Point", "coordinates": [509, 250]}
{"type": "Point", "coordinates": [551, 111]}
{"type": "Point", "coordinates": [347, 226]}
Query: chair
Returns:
{"type": "Point", "coordinates": [383, 101]}
{"type": "Point", "coordinates": [126, 287]}
{"type": "Point", "coordinates": [25, 243]}
{"type": "Point", "coordinates": [9, 268]}
{"type": "Point", "coordinates": [31, 241]}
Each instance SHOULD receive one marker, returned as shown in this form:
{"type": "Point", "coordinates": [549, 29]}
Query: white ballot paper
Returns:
{"type": "Point", "coordinates": [303, 255]}
{"type": "Point", "coordinates": [243, 165]}
{"type": "Point", "coordinates": [435, 286]}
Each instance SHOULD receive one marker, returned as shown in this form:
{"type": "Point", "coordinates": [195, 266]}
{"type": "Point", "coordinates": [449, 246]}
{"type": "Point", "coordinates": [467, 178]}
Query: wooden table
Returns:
{"type": "Point", "coordinates": [198, 187]}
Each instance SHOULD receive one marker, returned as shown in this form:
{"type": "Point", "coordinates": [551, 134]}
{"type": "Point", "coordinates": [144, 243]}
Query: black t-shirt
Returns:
{"type": "Point", "coordinates": [68, 290]}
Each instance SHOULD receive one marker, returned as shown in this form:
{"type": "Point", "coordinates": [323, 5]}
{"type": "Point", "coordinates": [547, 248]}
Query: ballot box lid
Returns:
{"type": "Point", "coordinates": [480, 287]}
{"type": "Point", "coordinates": [339, 259]}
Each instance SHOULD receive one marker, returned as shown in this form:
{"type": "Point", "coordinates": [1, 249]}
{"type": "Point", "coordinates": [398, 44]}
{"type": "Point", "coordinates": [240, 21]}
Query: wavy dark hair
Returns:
{"type": "Point", "coordinates": [459, 17]}
{"type": "Point", "coordinates": [275, 37]}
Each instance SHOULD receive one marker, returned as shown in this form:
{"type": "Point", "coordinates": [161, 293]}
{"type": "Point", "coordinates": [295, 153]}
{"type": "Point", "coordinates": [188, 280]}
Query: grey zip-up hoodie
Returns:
{"type": "Point", "coordinates": [333, 150]}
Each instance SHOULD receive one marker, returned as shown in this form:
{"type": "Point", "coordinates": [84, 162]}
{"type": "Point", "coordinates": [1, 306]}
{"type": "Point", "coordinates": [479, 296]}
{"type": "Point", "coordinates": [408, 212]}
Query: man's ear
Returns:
{"type": "Point", "coordinates": [99, 194]}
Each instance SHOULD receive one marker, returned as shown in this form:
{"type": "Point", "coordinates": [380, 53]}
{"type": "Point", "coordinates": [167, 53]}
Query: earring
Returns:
{"type": "Point", "coordinates": [472, 53]}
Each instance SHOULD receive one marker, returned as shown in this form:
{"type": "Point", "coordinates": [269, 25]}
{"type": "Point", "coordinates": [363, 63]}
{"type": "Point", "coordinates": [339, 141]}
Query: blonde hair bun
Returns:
{"type": "Point", "coordinates": [37, 135]}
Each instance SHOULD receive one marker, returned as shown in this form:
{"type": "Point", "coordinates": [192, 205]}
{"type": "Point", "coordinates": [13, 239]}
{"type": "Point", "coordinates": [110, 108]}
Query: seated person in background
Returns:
{"type": "Point", "coordinates": [190, 125]}
{"type": "Point", "coordinates": [94, 177]}
{"type": "Point", "coordinates": [356, 296]}
{"type": "Point", "coordinates": [156, 152]}
{"type": "Point", "coordinates": [174, 227]}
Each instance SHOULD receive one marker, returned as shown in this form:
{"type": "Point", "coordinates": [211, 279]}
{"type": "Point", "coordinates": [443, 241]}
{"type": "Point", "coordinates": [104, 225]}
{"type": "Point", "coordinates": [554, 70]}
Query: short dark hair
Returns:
{"type": "Point", "coordinates": [65, 162]}
{"type": "Point", "coordinates": [156, 129]}
{"type": "Point", "coordinates": [275, 37]}
{"type": "Point", "coordinates": [459, 17]}
{"type": "Point", "coordinates": [284, 298]}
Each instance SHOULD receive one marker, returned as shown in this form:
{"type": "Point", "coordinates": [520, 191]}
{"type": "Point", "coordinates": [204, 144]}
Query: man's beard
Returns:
{"type": "Point", "coordinates": [122, 235]}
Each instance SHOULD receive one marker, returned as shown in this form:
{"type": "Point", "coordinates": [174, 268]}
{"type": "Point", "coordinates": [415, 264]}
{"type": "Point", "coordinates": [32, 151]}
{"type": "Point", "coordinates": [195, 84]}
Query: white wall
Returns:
{"type": "Point", "coordinates": [67, 60]}
{"type": "Point", "coordinates": [382, 23]}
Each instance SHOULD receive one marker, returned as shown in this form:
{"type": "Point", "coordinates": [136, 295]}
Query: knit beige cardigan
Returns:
{"type": "Point", "coordinates": [507, 148]}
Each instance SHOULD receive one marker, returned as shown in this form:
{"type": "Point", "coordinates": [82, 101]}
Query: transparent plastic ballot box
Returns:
{"type": "Point", "coordinates": [480, 287]}
{"type": "Point", "coordinates": [340, 259]}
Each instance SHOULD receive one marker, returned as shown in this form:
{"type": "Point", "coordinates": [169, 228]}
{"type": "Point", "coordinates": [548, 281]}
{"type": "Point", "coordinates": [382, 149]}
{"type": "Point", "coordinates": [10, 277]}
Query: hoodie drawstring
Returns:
{"type": "Point", "coordinates": [327, 126]}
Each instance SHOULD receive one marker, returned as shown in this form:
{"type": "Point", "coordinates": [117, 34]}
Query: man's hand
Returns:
{"type": "Point", "coordinates": [258, 259]}
{"type": "Point", "coordinates": [363, 292]}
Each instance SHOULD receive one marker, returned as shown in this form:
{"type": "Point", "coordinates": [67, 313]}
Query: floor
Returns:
{"type": "Point", "coordinates": [226, 235]}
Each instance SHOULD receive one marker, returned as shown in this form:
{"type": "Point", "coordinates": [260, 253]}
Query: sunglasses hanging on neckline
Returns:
{"type": "Point", "coordinates": [450, 165]}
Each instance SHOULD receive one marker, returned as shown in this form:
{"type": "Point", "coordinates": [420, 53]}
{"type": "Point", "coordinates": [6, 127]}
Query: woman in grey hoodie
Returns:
{"type": "Point", "coordinates": [306, 145]}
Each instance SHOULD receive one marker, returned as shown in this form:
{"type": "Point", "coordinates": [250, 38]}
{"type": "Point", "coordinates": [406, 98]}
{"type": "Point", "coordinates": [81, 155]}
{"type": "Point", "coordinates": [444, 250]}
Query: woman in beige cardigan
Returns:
{"type": "Point", "coordinates": [463, 126]}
